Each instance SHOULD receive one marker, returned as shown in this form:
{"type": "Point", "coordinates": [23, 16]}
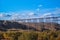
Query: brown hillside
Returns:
{"type": "Point", "coordinates": [4, 25]}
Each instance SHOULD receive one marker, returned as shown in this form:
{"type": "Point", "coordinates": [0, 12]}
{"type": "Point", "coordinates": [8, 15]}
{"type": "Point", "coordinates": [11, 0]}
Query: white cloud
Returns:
{"type": "Point", "coordinates": [20, 15]}
{"type": "Point", "coordinates": [30, 14]}
{"type": "Point", "coordinates": [56, 12]}
{"type": "Point", "coordinates": [1, 15]}
{"type": "Point", "coordinates": [46, 15]}
{"type": "Point", "coordinates": [38, 9]}
{"type": "Point", "coordinates": [40, 5]}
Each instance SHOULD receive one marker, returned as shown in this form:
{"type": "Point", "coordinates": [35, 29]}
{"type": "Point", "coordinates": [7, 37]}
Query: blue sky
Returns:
{"type": "Point", "coordinates": [13, 9]}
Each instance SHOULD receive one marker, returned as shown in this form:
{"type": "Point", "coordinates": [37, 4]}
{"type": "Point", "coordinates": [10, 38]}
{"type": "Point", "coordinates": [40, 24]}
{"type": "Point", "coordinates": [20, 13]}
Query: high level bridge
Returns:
{"type": "Point", "coordinates": [35, 20]}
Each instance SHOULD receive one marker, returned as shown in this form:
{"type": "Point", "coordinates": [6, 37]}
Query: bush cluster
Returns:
{"type": "Point", "coordinates": [30, 35]}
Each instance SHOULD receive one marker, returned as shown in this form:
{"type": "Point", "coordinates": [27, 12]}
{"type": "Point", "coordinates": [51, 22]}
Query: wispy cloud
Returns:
{"type": "Point", "coordinates": [30, 14]}
{"type": "Point", "coordinates": [54, 12]}
{"type": "Point", "coordinates": [40, 5]}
